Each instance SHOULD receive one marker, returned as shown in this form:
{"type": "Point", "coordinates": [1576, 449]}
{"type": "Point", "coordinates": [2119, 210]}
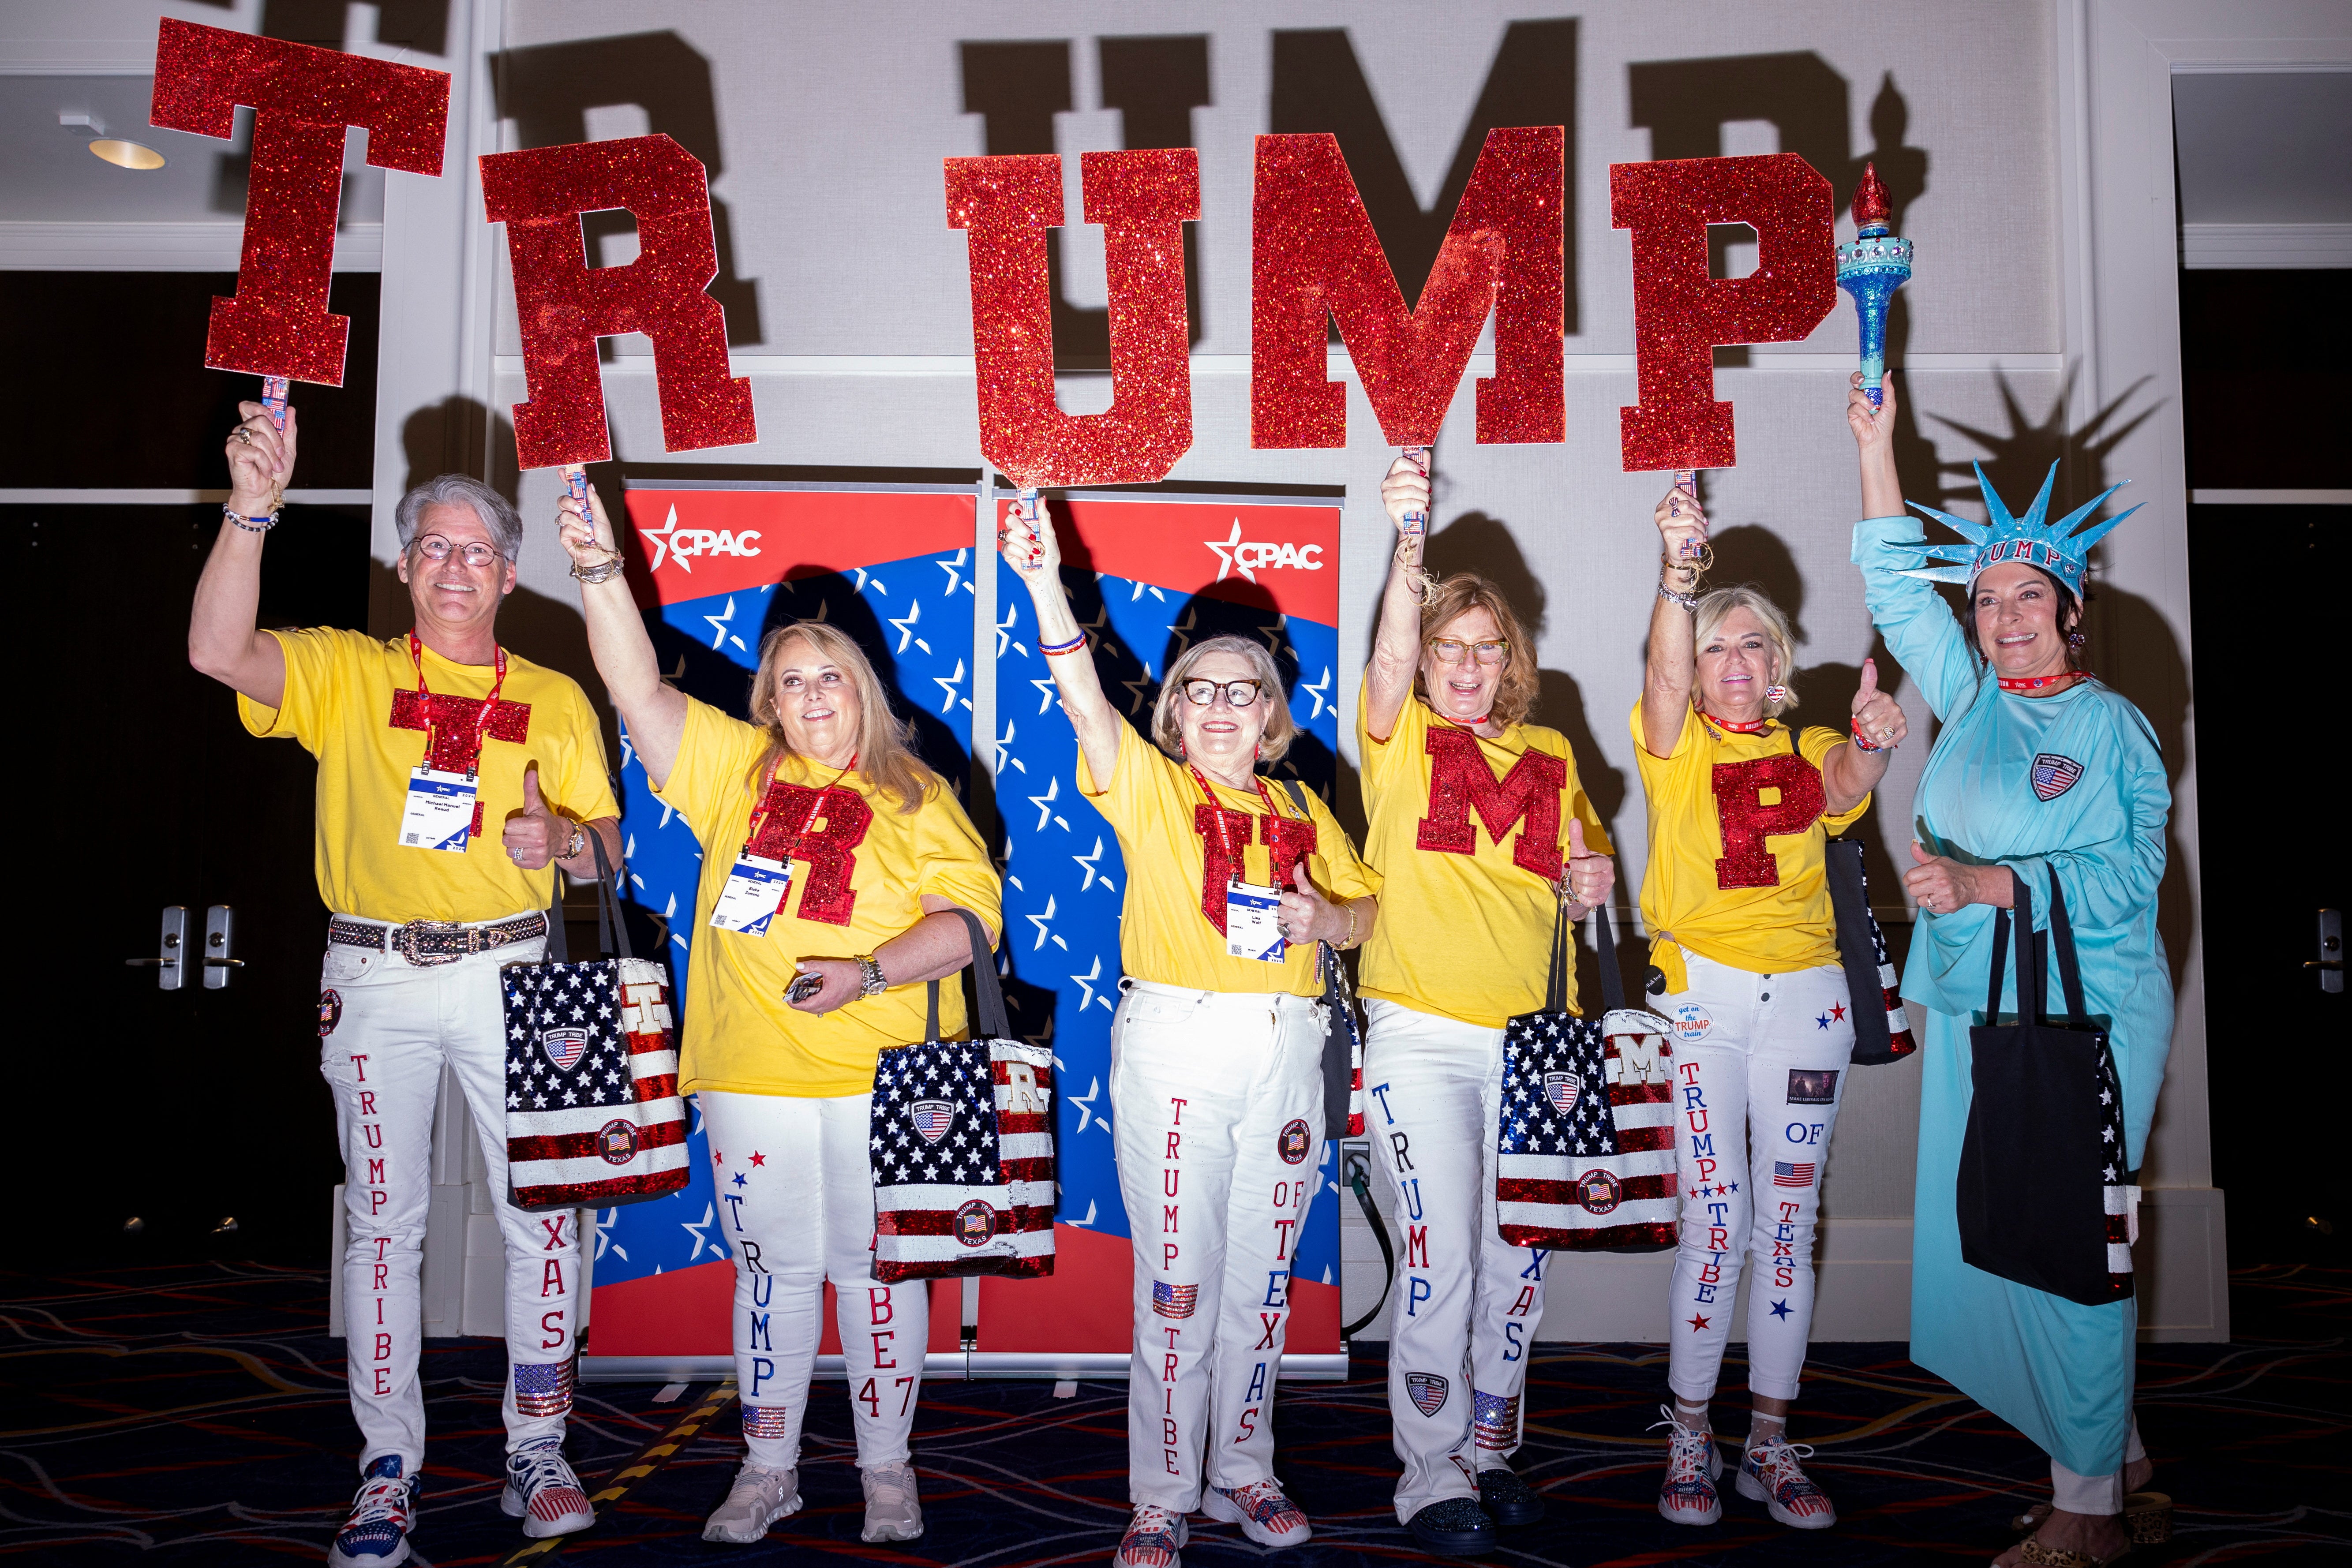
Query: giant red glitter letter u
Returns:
{"type": "Point", "coordinates": [563, 305]}
{"type": "Point", "coordinates": [1680, 313]}
{"type": "Point", "coordinates": [301, 98]}
{"type": "Point", "coordinates": [1142, 199]}
{"type": "Point", "coordinates": [1313, 250]}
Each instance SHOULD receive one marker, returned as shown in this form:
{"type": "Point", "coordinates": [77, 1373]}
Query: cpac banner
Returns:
{"type": "Point", "coordinates": [722, 563]}
{"type": "Point", "coordinates": [1148, 575]}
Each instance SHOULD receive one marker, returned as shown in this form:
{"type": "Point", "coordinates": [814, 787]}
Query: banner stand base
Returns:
{"type": "Point", "coordinates": [938, 1366]}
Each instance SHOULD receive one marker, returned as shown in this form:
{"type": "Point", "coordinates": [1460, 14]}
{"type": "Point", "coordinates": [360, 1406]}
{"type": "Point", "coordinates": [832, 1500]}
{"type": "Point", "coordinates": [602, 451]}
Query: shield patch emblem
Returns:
{"type": "Point", "coordinates": [1428, 1391]}
{"type": "Point", "coordinates": [564, 1047]}
{"type": "Point", "coordinates": [1563, 1089]}
{"type": "Point", "coordinates": [2053, 776]}
{"type": "Point", "coordinates": [932, 1117]}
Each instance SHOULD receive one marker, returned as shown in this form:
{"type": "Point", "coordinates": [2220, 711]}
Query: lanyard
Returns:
{"type": "Point", "coordinates": [1217, 813]}
{"type": "Point", "coordinates": [815, 810]}
{"type": "Point", "coordinates": [481, 720]}
{"type": "Point", "coordinates": [1752, 727]}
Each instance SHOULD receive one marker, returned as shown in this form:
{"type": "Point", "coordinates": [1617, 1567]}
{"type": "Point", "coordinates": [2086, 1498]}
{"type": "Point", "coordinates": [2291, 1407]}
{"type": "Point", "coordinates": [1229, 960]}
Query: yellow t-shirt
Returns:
{"type": "Point", "coordinates": [858, 880]}
{"type": "Point", "coordinates": [1468, 837]}
{"type": "Point", "coordinates": [1737, 828]}
{"type": "Point", "coordinates": [1177, 868]}
{"type": "Point", "coordinates": [350, 700]}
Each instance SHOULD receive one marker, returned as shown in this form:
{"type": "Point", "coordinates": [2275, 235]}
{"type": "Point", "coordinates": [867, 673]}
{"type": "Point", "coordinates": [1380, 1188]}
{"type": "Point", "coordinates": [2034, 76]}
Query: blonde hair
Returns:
{"type": "Point", "coordinates": [1280, 729]}
{"type": "Point", "coordinates": [1715, 607]}
{"type": "Point", "coordinates": [886, 754]}
{"type": "Point", "coordinates": [1515, 694]}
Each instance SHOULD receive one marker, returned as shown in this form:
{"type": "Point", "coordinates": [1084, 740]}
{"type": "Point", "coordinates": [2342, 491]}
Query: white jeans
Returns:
{"type": "Point", "coordinates": [1761, 1066]}
{"type": "Point", "coordinates": [797, 1195]}
{"type": "Point", "coordinates": [386, 1027]}
{"type": "Point", "coordinates": [1464, 1304]}
{"type": "Point", "coordinates": [1217, 1113]}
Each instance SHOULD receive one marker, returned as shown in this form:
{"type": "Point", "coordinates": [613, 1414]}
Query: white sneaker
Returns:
{"type": "Point", "coordinates": [1265, 1515]}
{"type": "Point", "coordinates": [893, 1511]}
{"type": "Point", "coordinates": [543, 1493]}
{"type": "Point", "coordinates": [1770, 1474]}
{"type": "Point", "coordinates": [1155, 1538]}
{"type": "Point", "coordinates": [1689, 1496]}
{"type": "Point", "coordinates": [376, 1534]}
{"type": "Point", "coordinates": [758, 1499]}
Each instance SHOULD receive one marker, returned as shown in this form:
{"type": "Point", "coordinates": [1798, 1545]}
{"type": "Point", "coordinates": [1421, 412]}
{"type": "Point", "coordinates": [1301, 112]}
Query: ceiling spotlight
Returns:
{"type": "Point", "coordinates": [133, 1225]}
{"type": "Point", "coordinates": [127, 154]}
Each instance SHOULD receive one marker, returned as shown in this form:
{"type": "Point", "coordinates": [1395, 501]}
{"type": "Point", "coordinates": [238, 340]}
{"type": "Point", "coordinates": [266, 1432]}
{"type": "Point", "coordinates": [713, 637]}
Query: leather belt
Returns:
{"type": "Point", "coordinates": [425, 942]}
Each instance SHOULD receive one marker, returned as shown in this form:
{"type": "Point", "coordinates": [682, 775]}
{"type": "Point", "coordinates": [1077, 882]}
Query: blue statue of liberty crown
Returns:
{"type": "Point", "coordinates": [2055, 548]}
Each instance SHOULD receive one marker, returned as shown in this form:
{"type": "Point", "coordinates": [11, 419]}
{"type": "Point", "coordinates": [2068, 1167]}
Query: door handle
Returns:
{"type": "Point", "coordinates": [2330, 962]}
{"type": "Point", "coordinates": [169, 974]}
{"type": "Point", "coordinates": [220, 932]}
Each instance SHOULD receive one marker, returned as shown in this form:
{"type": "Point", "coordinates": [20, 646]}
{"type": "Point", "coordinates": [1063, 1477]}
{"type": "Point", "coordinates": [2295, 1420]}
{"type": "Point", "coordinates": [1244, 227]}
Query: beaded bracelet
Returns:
{"type": "Point", "coordinates": [1862, 740]}
{"type": "Point", "coordinates": [1685, 600]}
{"type": "Point", "coordinates": [250, 524]}
{"type": "Point", "coordinates": [1075, 643]}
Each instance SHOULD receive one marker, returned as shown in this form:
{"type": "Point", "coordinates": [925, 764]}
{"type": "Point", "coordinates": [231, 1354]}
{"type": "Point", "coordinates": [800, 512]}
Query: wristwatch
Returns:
{"type": "Point", "coordinates": [873, 984]}
{"type": "Point", "coordinates": [579, 841]}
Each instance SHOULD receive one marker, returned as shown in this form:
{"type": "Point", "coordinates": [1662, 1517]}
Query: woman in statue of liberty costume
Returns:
{"type": "Point", "coordinates": [2041, 770]}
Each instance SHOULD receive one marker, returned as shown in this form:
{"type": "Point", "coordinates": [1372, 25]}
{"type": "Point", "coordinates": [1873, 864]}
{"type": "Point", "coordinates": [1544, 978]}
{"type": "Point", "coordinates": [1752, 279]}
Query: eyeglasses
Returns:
{"type": "Point", "coordinates": [1450, 651]}
{"type": "Point", "coordinates": [433, 547]}
{"type": "Point", "coordinates": [1238, 693]}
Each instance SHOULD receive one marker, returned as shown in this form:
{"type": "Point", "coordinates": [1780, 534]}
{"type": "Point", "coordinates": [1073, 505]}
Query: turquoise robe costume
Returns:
{"type": "Point", "coordinates": [2056, 1370]}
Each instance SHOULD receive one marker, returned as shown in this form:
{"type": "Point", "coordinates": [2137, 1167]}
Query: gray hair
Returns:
{"type": "Point", "coordinates": [1715, 607]}
{"type": "Point", "coordinates": [497, 514]}
{"type": "Point", "coordinates": [1279, 726]}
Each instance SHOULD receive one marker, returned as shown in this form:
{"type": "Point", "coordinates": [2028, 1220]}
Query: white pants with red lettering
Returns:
{"type": "Point", "coordinates": [1217, 1111]}
{"type": "Point", "coordinates": [796, 1206]}
{"type": "Point", "coordinates": [1464, 1304]}
{"type": "Point", "coordinates": [1761, 1065]}
{"type": "Point", "coordinates": [386, 1028]}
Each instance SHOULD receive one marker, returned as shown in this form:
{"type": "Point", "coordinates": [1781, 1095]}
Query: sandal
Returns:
{"type": "Point", "coordinates": [2147, 1516]}
{"type": "Point", "coordinates": [2042, 1556]}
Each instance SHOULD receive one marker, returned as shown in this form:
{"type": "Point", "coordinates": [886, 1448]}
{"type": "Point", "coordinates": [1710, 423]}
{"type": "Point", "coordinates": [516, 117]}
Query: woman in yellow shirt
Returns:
{"type": "Point", "coordinates": [1216, 1084]}
{"type": "Point", "coordinates": [1744, 946]}
{"type": "Point", "coordinates": [1478, 828]}
{"type": "Point", "coordinates": [833, 862]}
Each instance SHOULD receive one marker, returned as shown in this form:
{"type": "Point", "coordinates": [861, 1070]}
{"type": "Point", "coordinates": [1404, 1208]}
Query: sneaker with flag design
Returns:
{"type": "Point", "coordinates": [1693, 1462]}
{"type": "Point", "coordinates": [1265, 1515]}
{"type": "Point", "coordinates": [1770, 1474]}
{"type": "Point", "coordinates": [1154, 1538]}
{"type": "Point", "coordinates": [376, 1534]}
{"type": "Point", "coordinates": [543, 1493]}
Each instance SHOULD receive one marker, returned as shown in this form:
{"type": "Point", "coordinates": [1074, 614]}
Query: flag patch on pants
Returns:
{"type": "Point", "coordinates": [1497, 1419]}
{"type": "Point", "coordinates": [765, 1420]}
{"type": "Point", "coordinates": [1785, 1174]}
{"type": "Point", "coordinates": [1427, 1391]}
{"type": "Point", "coordinates": [1173, 1301]}
{"type": "Point", "coordinates": [544, 1388]}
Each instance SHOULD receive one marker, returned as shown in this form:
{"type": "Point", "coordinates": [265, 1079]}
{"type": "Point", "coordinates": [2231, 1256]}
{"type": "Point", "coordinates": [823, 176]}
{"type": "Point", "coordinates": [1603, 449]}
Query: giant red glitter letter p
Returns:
{"type": "Point", "coordinates": [563, 305]}
{"type": "Point", "coordinates": [1680, 313]}
{"type": "Point", "coordinates": [301, 98]}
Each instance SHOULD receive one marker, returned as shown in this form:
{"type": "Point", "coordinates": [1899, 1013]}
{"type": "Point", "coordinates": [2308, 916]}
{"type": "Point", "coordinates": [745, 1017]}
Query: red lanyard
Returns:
{"type": "Point", "coordinates": [1752, 727]}
{"type": "Point", "coordinates": [815, 810]}
{"type": "Point", "coordinates": [481, 720]}
{"type": "Point", "coordinates": [1224, 832]}
{"type": "Point", "coordinates": [2032, 685]}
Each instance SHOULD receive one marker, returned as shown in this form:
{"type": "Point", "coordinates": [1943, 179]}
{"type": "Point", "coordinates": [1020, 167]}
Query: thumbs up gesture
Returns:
{"type": "Point", "coordinates": [533, 835]}
{"type": "Point", "coordinates": [1877, 718]}
{"type": "Point", "coordinates": [1306, 915]}
{"type": "Point", "coordinates": [1587, 876]}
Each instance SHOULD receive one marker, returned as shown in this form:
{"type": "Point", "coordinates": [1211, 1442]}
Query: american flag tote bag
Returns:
{"type": "Point", "coordinates": [593, 1117]}
{"type": "Point", "coordinates": [1585, 1150]}
{"type": "Point", "coordinates": [962, 1146]}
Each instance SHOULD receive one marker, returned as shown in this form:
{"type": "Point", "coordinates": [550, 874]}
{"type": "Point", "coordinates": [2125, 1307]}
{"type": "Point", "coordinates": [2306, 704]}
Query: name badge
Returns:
{"type": "Point", "coordinates": [440, 811]}
{"type": "Point", "coordinates": [753, 896]}
{"type": "Point", "coordinates": [1251, 931]}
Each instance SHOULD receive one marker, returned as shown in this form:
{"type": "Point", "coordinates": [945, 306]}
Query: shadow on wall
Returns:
{"type": "Point", "coordinates": [1320, 86]}
{"type": "Point", "coordinates": [1154, 83]}
{"type": "Point", "coordinates": [547, 89]}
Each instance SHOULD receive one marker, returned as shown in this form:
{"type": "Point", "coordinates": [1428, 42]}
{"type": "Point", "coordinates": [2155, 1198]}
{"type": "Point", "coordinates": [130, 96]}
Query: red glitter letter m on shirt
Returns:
{"type": "Point", "coordinates": [301, 98]}
{"type": "Point", "coordinates": [563, 305]}
{"type": "Point", "coordinates": [1313, 251]}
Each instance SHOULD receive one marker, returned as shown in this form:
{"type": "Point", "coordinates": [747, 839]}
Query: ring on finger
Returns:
{"type": "Point", "coordinates": [242, 434]}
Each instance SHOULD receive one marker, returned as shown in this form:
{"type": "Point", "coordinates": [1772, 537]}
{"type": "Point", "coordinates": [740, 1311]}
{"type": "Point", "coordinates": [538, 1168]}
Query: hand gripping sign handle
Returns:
{"type": "Point", "coordinates": [576, 479]}
{"type": "Point", "coordinates": [273, 399]}
{"type": "Point", "coordinates": [1029, 509]}
{"type": "Point", "coordinates": [1698, 551]}
{"type": "Point", "coordinates": [1416, 521]}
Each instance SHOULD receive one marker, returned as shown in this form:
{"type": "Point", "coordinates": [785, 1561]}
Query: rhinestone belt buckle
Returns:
{"type": "Point", "coordinates": [408, 938]}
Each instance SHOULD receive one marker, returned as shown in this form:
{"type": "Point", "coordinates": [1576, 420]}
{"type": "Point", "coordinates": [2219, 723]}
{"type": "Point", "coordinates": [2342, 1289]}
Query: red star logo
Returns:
{"type": "Point", "coordinates": [1697, 1323]}
{"type": "Point", "coordinates": [1838, 1011]}
{"type": "Point", "coordinates": [758, 1159]}
{"type": "Point", "coordinates": [717, 1158]}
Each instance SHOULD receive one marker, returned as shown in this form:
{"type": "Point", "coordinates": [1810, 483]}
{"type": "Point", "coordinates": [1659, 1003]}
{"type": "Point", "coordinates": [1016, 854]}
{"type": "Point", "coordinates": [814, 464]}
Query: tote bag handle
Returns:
{"type": "Point", "coordinates": [610, 934]}
{"type": "Point", "coordinates": [994, 1024]}
{"type": "Point", "coordinates": [1604, 946]}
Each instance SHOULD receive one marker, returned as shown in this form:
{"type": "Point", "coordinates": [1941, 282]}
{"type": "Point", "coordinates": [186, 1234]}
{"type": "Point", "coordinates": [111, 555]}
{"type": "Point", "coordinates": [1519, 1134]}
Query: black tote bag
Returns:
{"type": "Point", "coordinates": [2043, 1192]}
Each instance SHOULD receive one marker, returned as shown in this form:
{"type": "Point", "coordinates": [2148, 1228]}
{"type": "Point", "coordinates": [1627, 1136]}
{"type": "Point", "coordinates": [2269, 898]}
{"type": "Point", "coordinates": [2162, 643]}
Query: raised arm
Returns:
{"type": "Point", "coordinates": [1916, 623]}
{"type": "Point", "coordinates": [654, 713]}
{"type": "Point", "coordinates": [1396, 643]}
{"type": "Point", "coordinates": [1666, 684]}
{"type": "Point", "coordinates": [223, 641]}
{"type": "Point", "coordinates": [1038, 562]}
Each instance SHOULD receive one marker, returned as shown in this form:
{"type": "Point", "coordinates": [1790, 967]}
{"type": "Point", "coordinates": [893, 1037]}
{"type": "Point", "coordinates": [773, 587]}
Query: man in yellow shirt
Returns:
{"type": "Point", "coordinates": [452, 776]}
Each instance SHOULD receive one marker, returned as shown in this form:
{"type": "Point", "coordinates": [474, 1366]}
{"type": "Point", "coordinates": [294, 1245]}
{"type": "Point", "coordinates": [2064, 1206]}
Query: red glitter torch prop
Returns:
{"type": "Point", "coordinates": [1142, 199]}
{"type": "Point", "coordinates": [278, 326]}
{"type": "Point", "coordinates": [1681, 313]}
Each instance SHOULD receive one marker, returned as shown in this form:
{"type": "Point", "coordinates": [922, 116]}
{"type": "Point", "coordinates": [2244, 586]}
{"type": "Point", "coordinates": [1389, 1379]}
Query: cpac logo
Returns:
{"type": "Point", "coordinates": [1248, 556]}
{"type": "Point", "coordinates": [685, 543]}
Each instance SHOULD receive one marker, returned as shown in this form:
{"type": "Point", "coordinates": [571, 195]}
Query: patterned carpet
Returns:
{"type": "Point", "coordinates": [196, 1415]}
